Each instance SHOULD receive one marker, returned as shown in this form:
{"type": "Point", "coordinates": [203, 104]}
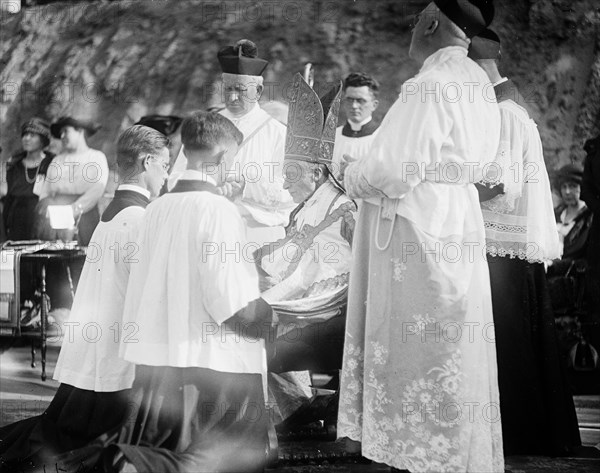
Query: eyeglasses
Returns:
{"type": "Point", "coordinates": [164, 164]}
{"type": "Point", "coordinates": [351, 100]}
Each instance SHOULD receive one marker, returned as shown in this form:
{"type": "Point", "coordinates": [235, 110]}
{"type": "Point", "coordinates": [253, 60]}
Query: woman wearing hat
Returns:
{"type": "Point", "coordinates": [573, 218]}
{"type": "Point", "coordinates": [76, 177]}
{"type": "Point", "coordinates": [23, 170]}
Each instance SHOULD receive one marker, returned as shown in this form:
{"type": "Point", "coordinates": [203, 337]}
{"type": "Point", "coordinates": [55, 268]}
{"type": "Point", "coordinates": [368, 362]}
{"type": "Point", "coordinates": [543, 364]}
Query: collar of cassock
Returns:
{"type": "Point", "coordinates": [126, 196]}
{"type": "Point", "coordinates": [507, 90]}
{"type": "Point", "coordinates": [195, 181]}
{"type": "Point", "coordinates": [367, 129]}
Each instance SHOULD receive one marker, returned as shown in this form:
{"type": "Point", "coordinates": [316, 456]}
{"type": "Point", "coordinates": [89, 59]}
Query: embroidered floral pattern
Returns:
{"type": "Point", "coordinates": [379, 353]}
{"type": "Point", "coordinates": [399, 268]}
{"type": "Point", "coordinates": [421, 322]}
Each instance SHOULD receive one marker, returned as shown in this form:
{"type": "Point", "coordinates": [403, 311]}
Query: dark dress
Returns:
{"type": "Point", "coordinates": [19, 203]}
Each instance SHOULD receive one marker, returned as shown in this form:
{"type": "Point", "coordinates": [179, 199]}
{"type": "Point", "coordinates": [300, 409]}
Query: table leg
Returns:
{"type": "Point", "coordinates": [44, 321]}
{"type": "Point", "coordinates": [33, 353]}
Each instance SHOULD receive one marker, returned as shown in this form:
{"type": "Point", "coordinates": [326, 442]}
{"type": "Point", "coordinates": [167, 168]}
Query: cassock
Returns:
{"type": "Point", "coordinates": [538, 415]}
{"type": "Point", "coordinates": [198, 390]}
{"type": "Point", "coordinates": [353, 140]}
{"type": "Point", "coordinates": [419, 379]}
{"type": "Point", "coordinates": [93, 397]}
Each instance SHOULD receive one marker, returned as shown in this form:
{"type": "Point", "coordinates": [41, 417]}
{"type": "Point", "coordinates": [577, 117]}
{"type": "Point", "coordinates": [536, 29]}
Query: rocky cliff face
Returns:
{"type": "Point", "coordinates": [116, 61]}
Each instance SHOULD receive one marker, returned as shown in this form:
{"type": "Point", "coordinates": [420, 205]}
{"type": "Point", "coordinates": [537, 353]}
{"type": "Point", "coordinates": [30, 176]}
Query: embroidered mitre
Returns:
{"type": "Point", "coordinates": [312, 122]}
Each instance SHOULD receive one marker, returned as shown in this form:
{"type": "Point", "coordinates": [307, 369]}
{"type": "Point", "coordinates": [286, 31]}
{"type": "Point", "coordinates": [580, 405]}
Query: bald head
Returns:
{"type": "Point", "coordinates": [433, 30]}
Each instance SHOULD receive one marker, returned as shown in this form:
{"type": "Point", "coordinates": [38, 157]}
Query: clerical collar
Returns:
{"type": "Point", "coordinates": [195, 175]}
{"type": "Point", "coordinates": [134, 188]}
{"type": "Point", "coordinates": [504, 79]}
{"type": "Point", "coordinates": [358, 126]}
{"type": "Point", "coordinates": [368, 128]}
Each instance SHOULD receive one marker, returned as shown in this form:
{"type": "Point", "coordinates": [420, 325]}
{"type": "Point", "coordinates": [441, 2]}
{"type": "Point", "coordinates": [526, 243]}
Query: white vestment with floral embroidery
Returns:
{"type": "Point", "coordinates": [419, 386]}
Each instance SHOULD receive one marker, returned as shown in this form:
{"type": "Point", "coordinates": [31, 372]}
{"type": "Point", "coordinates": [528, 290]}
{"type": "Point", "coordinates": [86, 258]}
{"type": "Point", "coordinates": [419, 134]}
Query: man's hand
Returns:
{"type": "Point", "coordinates": [488, 193]}
{"type": "Point", "coordinates": [347, 159]}
{"type": "Point", "coordinates": [232, 188]}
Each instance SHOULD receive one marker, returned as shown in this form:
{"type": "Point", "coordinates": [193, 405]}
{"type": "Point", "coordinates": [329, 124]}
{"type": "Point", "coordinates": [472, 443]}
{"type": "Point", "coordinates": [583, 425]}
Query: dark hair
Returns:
{"type": "Point", "coordinates": [360, 79]}
{"type": "Point", "coordinates": [136, 141]}
{"type": "Point", "coordinates": [206, 130]}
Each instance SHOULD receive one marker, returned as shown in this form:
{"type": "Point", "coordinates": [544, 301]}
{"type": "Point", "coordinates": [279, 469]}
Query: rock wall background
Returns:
{"type": "Point", "coordinates": [116, 61]}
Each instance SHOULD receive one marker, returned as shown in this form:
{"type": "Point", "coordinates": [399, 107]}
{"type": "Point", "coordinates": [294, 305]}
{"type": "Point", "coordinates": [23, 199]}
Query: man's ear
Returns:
{"type": "Point", "coordinates": [431, 27]}
{"type": "Point", "coordinates": [259, 91]}
{"type": "Point", "coordinates": [145, 163]}
{"type": "Point", "coordinates": [375, 104]}
{"type": "Point", "coordinates": [218, 157]}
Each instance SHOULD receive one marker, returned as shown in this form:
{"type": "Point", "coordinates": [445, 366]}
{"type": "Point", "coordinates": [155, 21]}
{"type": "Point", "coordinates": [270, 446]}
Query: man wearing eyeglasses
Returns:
{"type": "Point", "coordinates": [354, 138]}
{"type": "Point", "coordinates": [94, 394]}
{"type": "Point", "coordinates": [256, 180]}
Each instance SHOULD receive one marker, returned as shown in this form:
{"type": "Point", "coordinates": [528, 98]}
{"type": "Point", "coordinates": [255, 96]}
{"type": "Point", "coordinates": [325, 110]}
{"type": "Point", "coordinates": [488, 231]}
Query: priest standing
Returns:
{"type": "Point", "coordinates": [419, 388]}
{"type": "Point", "coordinates": [257, 175]}
{"type": "Point", "coordinates": [359, 102]}
{"type": "Point", "coordinates": [538, 415]}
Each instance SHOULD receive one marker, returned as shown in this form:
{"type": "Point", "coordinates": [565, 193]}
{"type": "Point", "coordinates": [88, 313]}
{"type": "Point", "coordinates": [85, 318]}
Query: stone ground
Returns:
{"type": "Point", "coordinates": [24, 394]}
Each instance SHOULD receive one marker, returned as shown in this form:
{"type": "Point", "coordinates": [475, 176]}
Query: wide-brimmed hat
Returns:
{"type": "Point", "coordinates": [166, 124]}
{"type": "Point", "coordinates": [568, 173]}
{"type": "Point", "coordinates": [89, 126]}
{"type": "Point", "coordinates": [38, 126]}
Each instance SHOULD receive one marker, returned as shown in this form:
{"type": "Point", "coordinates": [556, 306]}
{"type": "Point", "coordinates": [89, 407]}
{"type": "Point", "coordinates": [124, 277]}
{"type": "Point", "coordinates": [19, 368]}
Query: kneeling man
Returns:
{"type": "Point", "coordinates": [199, 353]}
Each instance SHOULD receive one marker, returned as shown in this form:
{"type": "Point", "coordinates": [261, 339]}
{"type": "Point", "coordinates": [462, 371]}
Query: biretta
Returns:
{"type": "Point", "coordinates": [486, 45]}
{"type": "Point", "coordinates": [242, 59]}
{"type": "Point", "coordinates": [471, 16]}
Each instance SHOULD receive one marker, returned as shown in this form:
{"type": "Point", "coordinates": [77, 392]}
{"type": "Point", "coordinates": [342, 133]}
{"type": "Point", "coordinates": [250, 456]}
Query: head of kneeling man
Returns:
{"type": "Point", "coordinates": [143, 158]}
{"type": "Point", "coordinates": [210, 143]}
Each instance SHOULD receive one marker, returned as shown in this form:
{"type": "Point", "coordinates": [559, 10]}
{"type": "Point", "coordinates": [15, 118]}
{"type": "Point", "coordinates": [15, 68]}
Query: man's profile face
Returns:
{"type": "Point", "coordinates": [359, 103]}
{"type": "Point", "coordinates": [157, 171]}
{"type": "Point", "coordinates": [241, 96]}
{"type": "Point", "coordinates": [299, 179]}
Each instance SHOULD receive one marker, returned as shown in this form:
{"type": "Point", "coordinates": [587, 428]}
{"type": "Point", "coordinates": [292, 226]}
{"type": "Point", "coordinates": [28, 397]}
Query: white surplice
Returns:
{"type": "Point", "coordinates": [194, 270]}
{"type": "Point", "coordinates": [520, 223]}
{"type": "Point", "coordinates": [89, 355]}
{"type": "Point", "coordinates": [419, 379]}
{"type": "Point", "coordinates": [357, 147]}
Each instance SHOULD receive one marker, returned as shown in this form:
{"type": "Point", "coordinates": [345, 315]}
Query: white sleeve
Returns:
{"type": "Point", "coordinates": [410, 138]}
{"type": "Point", "coordinates": [228, 277]}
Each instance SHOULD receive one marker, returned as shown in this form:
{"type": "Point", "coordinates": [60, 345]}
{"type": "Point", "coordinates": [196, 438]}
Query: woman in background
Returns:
{"type": "Point", "coordinates": [23, 169]}
{"type": "Point", "coordinates": [77, 177]}
{"type": "Point", "coordinates": [573, 221]}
